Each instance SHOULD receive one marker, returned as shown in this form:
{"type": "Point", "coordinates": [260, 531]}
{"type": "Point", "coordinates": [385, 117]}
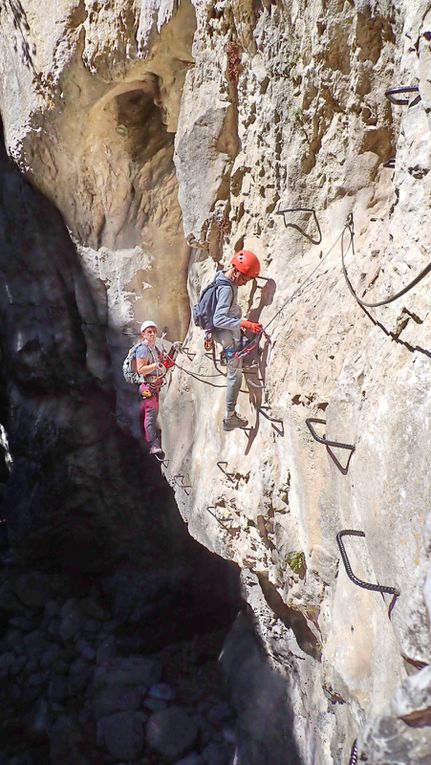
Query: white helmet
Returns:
{"type": "Point", "coordinates": [147, 324]}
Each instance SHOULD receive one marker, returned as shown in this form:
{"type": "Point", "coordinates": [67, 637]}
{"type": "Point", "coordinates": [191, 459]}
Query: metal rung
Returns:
{"type": "Point", "coordinates": [323, 439]}
{"type": "Point", "coordinates": [392, 93]}
{"type": "Point", "coordinates": [179, 480]}
{"type": "Point", "coordinates": [163, 461]}
{"type": "Point", "coordinates": [330, 445]}
{"type": "Point", "coordinates": [273, 420]}
{"type": "Point", "coordinates": [190, 354]}
{"type": "Point", "coordinates": [349, 572]}
{"type": "Point", "coordinates": [353, 754]}
{"type": "Point", "coordinates": [298, 228]}
{"type": "Point", "coordinates": [390, 163]}
{"type": "Point", "coordinates": [226, 528]}
{"type": "Point", "coordinates": [231, 476]}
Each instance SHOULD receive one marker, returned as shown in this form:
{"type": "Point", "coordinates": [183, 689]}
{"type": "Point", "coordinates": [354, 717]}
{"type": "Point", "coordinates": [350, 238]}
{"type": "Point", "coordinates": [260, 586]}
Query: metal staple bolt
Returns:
{"type": "Point", "coordinates": [349, 572]}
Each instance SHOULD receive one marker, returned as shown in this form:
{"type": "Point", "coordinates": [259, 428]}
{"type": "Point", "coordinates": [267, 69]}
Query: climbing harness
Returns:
{"type": "Point", "coordinates": [349, 572]}
{"type": "Point", "coordinates": [350, 228]}
{"type": "Point", "coordinates": [395, 94]}
{"type": "Point", "coordinates": [354, 754]}
{"type": "Point", "coordinates": [204, 378]}
{"type": "Point", "coordinates": [167, 361]}
{"type": "Point", "coordinates": [208, 341]}
{"type": "Point", "coordinates": [147, 390]}
{"type": "Point", "coordinates": [250, 345]}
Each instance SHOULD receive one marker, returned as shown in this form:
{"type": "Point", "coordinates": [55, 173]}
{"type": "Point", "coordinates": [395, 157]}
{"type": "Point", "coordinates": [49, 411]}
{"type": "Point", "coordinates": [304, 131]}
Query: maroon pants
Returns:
{"type": "Point", "coordinates": [148, 412]}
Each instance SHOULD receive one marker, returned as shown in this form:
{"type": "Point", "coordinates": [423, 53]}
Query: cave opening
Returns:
{"type": "Point", "coordinates": [138, 118]}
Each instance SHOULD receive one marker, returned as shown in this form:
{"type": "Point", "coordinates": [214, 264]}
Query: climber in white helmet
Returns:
{"type": "Point", "coordinates": [151, 364]}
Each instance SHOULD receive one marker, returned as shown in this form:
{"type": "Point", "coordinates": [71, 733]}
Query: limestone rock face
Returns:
{"type": "Point", "coordinates": [168, 137]}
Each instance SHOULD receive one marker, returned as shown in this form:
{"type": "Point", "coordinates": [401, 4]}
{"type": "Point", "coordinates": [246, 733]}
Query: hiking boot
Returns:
{"type": "Point", "coordinates": [234, 421]}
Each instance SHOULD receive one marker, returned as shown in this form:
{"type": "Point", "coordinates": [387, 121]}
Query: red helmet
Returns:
{"type": "Point", "coordinates": [247, 263]}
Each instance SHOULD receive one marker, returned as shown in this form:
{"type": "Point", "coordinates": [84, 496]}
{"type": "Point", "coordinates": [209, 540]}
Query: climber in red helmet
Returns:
{"type": "Point", "coordinates": [228, 324]}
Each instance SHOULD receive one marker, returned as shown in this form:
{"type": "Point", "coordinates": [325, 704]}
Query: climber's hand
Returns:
{"type": "Point", "coordinates": [251, 326]}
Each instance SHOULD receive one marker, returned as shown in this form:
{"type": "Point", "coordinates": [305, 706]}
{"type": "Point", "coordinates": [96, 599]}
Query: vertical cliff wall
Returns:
{"type": "Point", "coordinates": [271, 123]}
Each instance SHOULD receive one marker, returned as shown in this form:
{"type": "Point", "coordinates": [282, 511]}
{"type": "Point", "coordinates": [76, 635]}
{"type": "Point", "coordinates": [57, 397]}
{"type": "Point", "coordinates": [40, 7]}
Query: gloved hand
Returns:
{"type": "Point", "coordinates": [251, 326]}
{"type": "Point", "coordinates": [167, 362]}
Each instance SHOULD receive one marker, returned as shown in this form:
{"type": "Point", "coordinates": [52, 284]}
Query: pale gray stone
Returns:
{"type": "Point", "coordinates": [220, 713]}
{"type": "Point", "coordinates": [162, 691]}
{"type": "Point", "coordinates": [171, 733]}
{"type": "Point", "coordinates": [81, 672]}
{"type": "Point", "coordinates": [35, 643]}
{"type": "Point", "coordinates": [9, 601]}
{"type": "Point", "coordinates": [217, 753]}
{"type": "Point", "coordinates": [106, 650]}
{"type": "Point", "coordinates": [33, 588]}
{"type": "Point", "coordinates": [58, 688]}
{"type": "Point", "coordinates": [155, 705]}
{"type": "Point", "coordinates": [72, 619]}
{"type": "Point", "coordinates": [38, 720]}
{"type": "Point", "coordinates": [191, 759]}
{"type": "Point", "coordinates": [134, 670]}
{"type": "Point", "coordinates": [86, 651]}
{"type": "Point", "coordinates": [23, 623]}
{"type": "Point", "coordinates": [122, 734]}
{"type": "Point", "coordinates": [7, 662]}
{"type": "Point", "coordinates": [115, 699]}
{"type": "Point", "coordinates": [50, 655]}
{"type": "Point", "coordinates": [53, 608]}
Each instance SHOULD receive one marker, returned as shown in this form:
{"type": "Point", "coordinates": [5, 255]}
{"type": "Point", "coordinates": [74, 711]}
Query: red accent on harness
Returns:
{"type": "Point", "coordinates": [251, 345]}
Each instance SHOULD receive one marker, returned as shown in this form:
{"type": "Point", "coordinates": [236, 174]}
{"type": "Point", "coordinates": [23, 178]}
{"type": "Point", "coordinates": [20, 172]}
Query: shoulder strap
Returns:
{"type": "Point", "coordinates": [135, 347]}
{"type": "Point", "coordinates": [155, 352]}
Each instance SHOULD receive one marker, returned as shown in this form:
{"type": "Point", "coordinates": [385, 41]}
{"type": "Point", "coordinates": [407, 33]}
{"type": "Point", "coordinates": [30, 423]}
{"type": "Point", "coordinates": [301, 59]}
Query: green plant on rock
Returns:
{"type": "Point", "coordinates": [297, 115]}
{"type": "Point", "coordinates": [296, 561]}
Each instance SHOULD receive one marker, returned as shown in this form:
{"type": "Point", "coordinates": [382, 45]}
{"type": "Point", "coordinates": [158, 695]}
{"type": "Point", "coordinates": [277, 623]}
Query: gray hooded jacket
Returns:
{"type": "Point", "coordinates": [227, 314]}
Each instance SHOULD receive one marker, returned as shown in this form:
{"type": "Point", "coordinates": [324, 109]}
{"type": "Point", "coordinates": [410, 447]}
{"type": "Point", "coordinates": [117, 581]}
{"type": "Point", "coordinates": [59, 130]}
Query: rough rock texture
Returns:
{"type": "Point", "coordinates": [275, 106]}
{"type": "Point", "coordinates": [74, 689]}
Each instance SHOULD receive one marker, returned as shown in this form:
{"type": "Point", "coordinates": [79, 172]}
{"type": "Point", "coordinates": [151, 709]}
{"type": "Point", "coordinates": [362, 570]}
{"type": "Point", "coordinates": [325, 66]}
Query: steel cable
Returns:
{"type": "Point", "coordinates": [366, 304]}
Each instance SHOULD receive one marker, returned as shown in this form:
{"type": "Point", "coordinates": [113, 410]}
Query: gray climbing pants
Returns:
{"type": "Point", "coordinates": [234, 366]}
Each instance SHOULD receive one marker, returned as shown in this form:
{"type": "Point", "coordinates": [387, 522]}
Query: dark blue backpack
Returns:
{"type": "Point", "coordinates": [203, 312]}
